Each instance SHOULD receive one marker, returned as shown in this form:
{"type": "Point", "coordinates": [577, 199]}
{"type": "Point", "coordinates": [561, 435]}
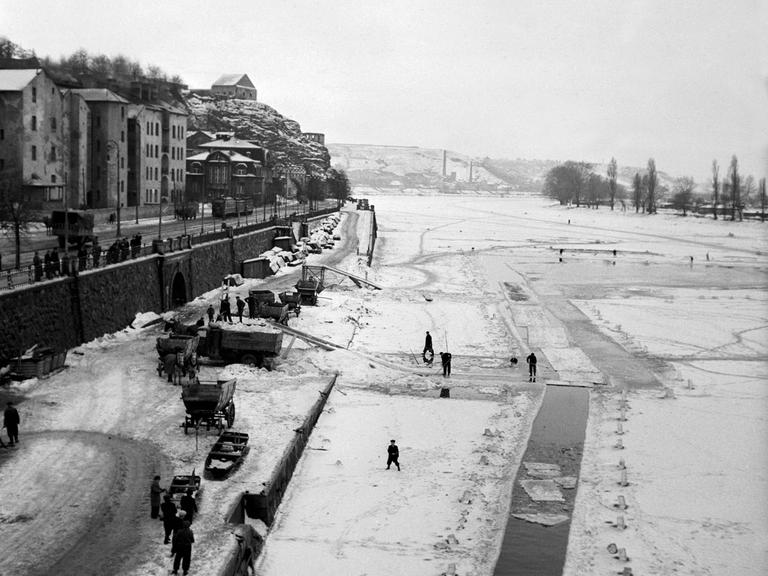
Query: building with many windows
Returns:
{"type": "Point", "coordinates": [107, 147]}
{"type": "Point", "coordinates": [34, 147]}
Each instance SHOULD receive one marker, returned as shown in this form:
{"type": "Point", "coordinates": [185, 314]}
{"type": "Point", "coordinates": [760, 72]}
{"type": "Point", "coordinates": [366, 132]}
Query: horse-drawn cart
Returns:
{"type": "Point", "coordinates": [211, 403]}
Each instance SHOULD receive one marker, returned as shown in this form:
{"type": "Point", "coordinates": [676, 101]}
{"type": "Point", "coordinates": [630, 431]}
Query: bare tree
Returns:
{"type": "Point", "coordinates": [101, 65]}
{"type": "Point", "coordinates": [715, 186]}
{"type": "Point", "coordinates": [637, 191]}
{"type": "Point", "coordinates": [612, 173]}
{"type": "Point", "coordinates": [735, 178]}
{"type": "Point", "coordinates": [761, 196]}
{"type": "Point", "coordinates": [682, 198]}
{"type": "Point", "coordinates": [747, 190]}
{"type": "Point", "coordinates": [653, 180]}
{"type": "Point", "coordinates": [14, 213]}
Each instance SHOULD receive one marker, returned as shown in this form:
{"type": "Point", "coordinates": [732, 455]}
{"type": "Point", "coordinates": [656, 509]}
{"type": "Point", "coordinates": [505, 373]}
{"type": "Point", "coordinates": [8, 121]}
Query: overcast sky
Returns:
{"type": "Point", "coordinates": [681, 81]}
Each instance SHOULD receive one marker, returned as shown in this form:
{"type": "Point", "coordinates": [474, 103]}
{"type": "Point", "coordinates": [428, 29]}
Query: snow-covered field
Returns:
{"type": "Point", "coordinates": [686, 339]}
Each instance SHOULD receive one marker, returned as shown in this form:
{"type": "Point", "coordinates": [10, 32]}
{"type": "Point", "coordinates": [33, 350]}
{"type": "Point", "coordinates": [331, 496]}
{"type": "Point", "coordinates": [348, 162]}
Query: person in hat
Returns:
{"type": "Point", "coordinates": [189, 505]}
{"type": "Point", "coordinates": [168, 508]}
{"type": "Point", "coordinates": [11, 423]}
{"type": "Point", "coordinates": [393, 453]}
{"type": "Point", "coordinates": [181, 549]}
{"type": "Point", "coordinates": [154, 497]}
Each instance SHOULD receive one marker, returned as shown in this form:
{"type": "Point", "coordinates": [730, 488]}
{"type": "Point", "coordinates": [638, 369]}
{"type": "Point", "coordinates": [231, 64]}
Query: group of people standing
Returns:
{"type": "Point", "coordinates": [225, 309]}
{"type": "Point", "coordinates": [176, 523]}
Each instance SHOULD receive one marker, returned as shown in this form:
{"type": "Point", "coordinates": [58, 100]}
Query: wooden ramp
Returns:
{"type": "Point", "coordinates": [320, 273]}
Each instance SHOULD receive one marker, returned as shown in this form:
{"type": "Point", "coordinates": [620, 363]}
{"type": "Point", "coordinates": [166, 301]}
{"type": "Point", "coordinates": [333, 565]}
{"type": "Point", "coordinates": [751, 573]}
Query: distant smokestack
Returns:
{"type": "Point", "coordinates": [470, 170]}
{"type": "Point", "coordinates": [443, 163]}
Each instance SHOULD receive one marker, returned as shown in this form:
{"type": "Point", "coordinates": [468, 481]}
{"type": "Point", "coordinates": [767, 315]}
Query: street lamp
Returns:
{"type": "Point", "coordinates": [117, 172]}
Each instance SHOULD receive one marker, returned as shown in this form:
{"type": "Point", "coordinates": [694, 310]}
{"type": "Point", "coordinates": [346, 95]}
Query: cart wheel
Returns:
{"type": "Point", "coordinates": [250, 360]}
{"type": "Point", "coordinates": [231, 418]}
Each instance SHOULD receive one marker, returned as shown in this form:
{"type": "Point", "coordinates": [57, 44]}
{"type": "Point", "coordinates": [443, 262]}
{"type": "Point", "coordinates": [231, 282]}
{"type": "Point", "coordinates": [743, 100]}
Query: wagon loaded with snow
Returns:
{"type": "Point", "coordinates": [209, 403]}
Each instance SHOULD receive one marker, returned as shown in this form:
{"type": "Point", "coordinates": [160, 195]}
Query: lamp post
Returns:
{"type": "Point", "coordinates": [117, 172]}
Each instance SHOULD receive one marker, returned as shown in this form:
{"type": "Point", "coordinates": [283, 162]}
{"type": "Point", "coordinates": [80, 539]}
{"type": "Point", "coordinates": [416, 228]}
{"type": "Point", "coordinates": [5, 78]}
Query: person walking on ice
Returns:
{"type": "Point", "coordinates": [393, 453]}
{"type": "Point", "coordinates": [445, 358]}
{"type": "Point", "coordinates": [531, 359]}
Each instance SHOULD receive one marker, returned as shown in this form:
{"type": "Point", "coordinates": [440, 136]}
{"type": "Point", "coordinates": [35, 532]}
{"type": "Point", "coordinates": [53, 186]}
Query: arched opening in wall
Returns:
{"type": "Point", "coordinates": [178, 290]}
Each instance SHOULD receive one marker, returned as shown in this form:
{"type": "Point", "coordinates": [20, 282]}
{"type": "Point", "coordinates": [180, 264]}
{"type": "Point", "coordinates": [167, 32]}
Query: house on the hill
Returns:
{"type": "Point", "coordinates": [315, 137]}
{"type": "Point", "coordinates": [234, 86]}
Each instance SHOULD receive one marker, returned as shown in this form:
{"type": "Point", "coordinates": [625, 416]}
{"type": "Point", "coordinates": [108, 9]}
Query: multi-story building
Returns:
{"type": "Point", "coordinates": [226, 167]}
{"type": "Point", "coordinates": [107, 147]}
{"type": "Point", "coordinates": [33, 137]}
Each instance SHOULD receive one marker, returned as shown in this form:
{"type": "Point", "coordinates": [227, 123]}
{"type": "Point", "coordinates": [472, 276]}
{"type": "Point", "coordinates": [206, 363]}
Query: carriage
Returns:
{"type": "Point", "coordinates": [209, 403]}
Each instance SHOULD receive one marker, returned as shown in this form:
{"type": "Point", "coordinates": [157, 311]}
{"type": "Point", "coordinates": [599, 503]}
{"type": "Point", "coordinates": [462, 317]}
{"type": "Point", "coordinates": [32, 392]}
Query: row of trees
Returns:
{"type": "Point", "coordinates": [577, 183]}
{"type": "Point", "coordinates": [82, 62]}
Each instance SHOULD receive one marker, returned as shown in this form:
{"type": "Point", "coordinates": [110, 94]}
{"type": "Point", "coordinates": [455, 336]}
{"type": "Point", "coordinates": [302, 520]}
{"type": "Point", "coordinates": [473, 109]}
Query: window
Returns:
{"type": "Point", "coordinates": [53, 178]}
{"type": "Point", "coordinates": [173, 153]}
{"type": "Point", "coordinates": [2, 134]}
{"type": "Point", "coordinates": [157, 128]}
{"type": "Point", "coordinates": [34, 122]}
{"type": "Point", "coordinates": [156, 178]}
{"type": "Point", "coordinates": [173, 131]}
{"type": "Point", "coordinates": [53, 155]}
{"type": "Point", "coordinates": [122, 135]}
{"type": "Point", "coordinates": [146, 150]}
{"type": "Point", "coordinates": [148, 131]}
{"type": "Point", "coordinates": [122, 112]}
{"type": "Point", "coordinates": [34, 152]}
{"type": "Point", "coordinates": [34, 94]}
{"type": "Point", "coordinates": [173, 175]}
{"type": "Point", "coordinates": [54, 193]}
{"type": "Point", "coordinates": [122, 161]}
{"type": "Point", "coordinates": [53, 124]}
{"type": "Point", "coordinates": [157, 151]}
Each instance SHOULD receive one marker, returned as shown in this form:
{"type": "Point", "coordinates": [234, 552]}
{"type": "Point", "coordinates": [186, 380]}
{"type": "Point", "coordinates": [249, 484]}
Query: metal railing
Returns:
{"type": "Point", "coordinates": [122, 251]}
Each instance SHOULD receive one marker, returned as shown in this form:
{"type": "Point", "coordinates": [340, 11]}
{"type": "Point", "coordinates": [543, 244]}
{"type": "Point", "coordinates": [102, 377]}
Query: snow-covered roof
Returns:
{"type": "Point", "coordinates": [234, 80]}
{"type": "Point", "coordinates": [234, 156]}
{"type": "Point", "coordinates": [100, 95]}
{"type": "Point", "coordinates": [231, 143]}
{"type": "Point", "coordinates": [16, 80]}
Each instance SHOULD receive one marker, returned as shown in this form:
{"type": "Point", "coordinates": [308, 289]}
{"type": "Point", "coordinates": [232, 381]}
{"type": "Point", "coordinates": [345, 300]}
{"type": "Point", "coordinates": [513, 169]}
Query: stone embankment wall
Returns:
{"type": "Point", "coordinates": [65, 312]}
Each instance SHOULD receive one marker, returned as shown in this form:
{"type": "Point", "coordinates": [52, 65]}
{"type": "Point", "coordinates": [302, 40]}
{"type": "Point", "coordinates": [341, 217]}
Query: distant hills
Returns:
{"type": "Point", "coordinates": [400, 168]}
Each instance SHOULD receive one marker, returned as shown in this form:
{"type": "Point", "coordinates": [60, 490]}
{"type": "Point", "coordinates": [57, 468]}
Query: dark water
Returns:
{"type": "Point", "coordinates": [557, 437]}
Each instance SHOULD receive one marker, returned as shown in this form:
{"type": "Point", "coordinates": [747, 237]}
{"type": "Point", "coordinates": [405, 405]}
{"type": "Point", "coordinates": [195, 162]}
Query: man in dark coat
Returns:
{"type": "Point", "coordinates": [445, 358]}
{"type": "Point", "coordinates": [428, 344]}
{"type": "Point", "coordinates": [240, 307]}
{"type": "Point", "coordinates": [169, 365]}
{"type": "Point", "coordinates": [154, 497]}
{"type": "Point", "coordinates": [393, 453]}
{"type": "Point", "coordinates": [168, 509]}
{"type": "Point", "coordinates": [96, 253]}
{"type": "Point", "coordinates": [182, 548]}
{"type": "Point", "coordinates": [226, 309]}
{"type": "Point", "coordinates": [11, 423]}
{"type": "Point", "coordinates": [38, 265]}
{"type": "Point", "coordinates": [55, 262]}
{"type": "Point", "coordinates": [251, 306]}
{"type": "Point", "coordinates": [47, 264]}
{"type": "Point", "coordinates": [189, 505]}
{"type": "Point", "coordinates": [531, 359]}
{"type": "Point", "coordinates": [210, 312]}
